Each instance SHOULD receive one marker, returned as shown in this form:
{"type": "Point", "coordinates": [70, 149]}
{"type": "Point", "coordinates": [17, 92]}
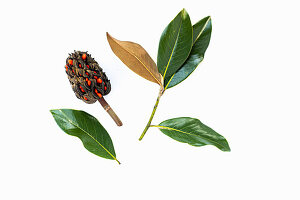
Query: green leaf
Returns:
{"type": "Point", "coordinates": [175, 45]}
{"type": "Point", "coordinates": [88, 129]}
{"type": "Point", "coordinates": [192, 131]}
{"type": "Point", "coordinates": [201, 37]}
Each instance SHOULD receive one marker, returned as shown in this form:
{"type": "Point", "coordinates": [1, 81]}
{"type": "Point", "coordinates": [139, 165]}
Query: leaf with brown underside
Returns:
{"type": "Point", "coordinates": [136, 58]}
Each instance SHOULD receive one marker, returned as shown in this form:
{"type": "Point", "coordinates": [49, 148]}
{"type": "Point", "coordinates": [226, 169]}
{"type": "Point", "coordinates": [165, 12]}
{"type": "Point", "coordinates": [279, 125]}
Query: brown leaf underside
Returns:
{"type": "Point", "coordinates": [136, 58]}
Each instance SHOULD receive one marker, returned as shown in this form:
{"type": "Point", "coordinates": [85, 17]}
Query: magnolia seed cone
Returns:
{"type": "Point", "coordinates": [88, 81]}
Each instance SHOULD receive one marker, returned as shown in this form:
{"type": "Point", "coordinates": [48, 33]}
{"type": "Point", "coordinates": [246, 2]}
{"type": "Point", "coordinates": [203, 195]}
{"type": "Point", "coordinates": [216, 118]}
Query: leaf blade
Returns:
{"type": "Point", "coordinates": [192, 131]}
{"type": "Point", "coordinates": [175, 45]}
{"type": "Point", "coordinates": [88, 129]}
{"type": "Point", "coordinates": [136, 58]}
{"type": "Point", "coordinates": [201, 38]}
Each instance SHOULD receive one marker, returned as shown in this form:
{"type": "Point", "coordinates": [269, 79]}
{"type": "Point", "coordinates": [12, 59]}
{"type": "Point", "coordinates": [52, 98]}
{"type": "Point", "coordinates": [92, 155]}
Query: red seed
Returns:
{"type": "Point", "coordinates": [89, 82]}
{"type": "Point", "coordinates": [86, 73]}
{"type": "Point", "coordinates": [99, 95]}
{"type": "Point", "coordinates": [70, 62]}
{"type": "Point", "coordinates": [86, 79]}
{"type": "Point", "coordinates": [105, 88]}
{"type": "Point", "coordinates": [95, 77]}
{"type": "Point", "coordinates": [80, 65]}
{"type": "Point", "coordinates": [85, 98]}
{"type": "Point", "coordinates": [99, 80]}
{"type": "Point", "coordinates": [88, 66]}
{"type": "Point", "coordinates": [66, 67]}
{"type": "Point", "coordinates": [82, 90]}
{"type": "Point", "coordinates": [96, 91]}
{"type": "Point", "coordinates": [83, 56]}
{"type": "Point", "coordinates": [73, 71]}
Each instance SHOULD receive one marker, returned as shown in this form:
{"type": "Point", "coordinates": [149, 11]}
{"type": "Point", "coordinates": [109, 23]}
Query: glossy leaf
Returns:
{"type": "Point", "coordinates": [192, 131]}
{"type": "Point", "coordinates": [201, 37]}
{"type": "Point", "coordinates": [136, 58]}
{"type": "Point", "coordinates": [88, 129]}
{"type": "Point", "coordinates": [175, 45]}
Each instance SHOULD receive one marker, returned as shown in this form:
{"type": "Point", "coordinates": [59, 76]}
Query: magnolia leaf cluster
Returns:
{"type": "Point", "coordinates": [181, 49]}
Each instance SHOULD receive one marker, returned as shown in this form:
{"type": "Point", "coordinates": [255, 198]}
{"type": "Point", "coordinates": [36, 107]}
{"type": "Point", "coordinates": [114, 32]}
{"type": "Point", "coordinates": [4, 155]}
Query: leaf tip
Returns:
{"type": "Point", "coordinates": [227, 148]}
{"type": "Point", "coordinates": [184, 13]}
{"type": "Point", "coordinates": [52, 111]}
{"type": "Point", "coordinates": [109, 37]}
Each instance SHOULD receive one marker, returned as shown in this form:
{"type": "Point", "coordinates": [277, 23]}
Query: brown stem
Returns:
{"type": "Point", "coordinates": [110, 111]}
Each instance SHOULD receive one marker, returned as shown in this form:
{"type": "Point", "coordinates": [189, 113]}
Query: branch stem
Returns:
{"type": "Point", "coordinates": [110, 111]}
{"type": "Point", "coordinates": [151, 117]}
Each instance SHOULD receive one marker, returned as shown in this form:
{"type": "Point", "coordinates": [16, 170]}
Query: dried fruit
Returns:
{"type": "Point", "coordinates": [88, 80]}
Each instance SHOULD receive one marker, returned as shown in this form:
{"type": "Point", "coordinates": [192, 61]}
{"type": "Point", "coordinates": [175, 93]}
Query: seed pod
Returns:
{"type": "Point", "coordinates": [88, 80]}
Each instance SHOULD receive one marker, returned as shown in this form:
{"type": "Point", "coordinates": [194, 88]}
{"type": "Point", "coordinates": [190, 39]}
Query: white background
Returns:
{"type": "Point", "coordinates": [247, 89]}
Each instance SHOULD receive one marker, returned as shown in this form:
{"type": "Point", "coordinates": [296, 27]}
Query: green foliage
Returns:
{"type": "Point", "coordinates": [175, 45]}
{"type": "Point", "coordinates": [88, 129]}
{"type": "Point", "coordinates": [192, 131]}
{"type": "Point", "coordinates": [201, 38]}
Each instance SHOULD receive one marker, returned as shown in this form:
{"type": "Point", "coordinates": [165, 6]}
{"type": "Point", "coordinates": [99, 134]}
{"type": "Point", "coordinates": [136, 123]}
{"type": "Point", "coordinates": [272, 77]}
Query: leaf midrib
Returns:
{"type": "Point", "coordinates": [73, 123]}
{"type": "Point", "coordinates": [173, 129]}
{"type": "Point", "coordinates": [140, 62]}
{"type": "Point", "coordinates": [172, 50]}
